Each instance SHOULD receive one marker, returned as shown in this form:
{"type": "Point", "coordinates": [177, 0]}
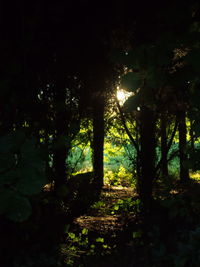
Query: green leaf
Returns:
{"type": "Point", "coordinates": [85, 231]}
{"type": "Point", "coordinates": [31, 156]}
{"type": "Point", "coordinates": [116, 207]}
{"type": "Point", "coordinates": [31, 181]}
{"type": "Point", "coordinates": [120, 201]}
{"type": "Point", "coordinates": [18, 209]}
{"type": "Point", "coordinates": [131, 81]}
{"type": "Point", "coordinates": [100, 240]}
{"type": "Point", "coordinates": [71, 235]}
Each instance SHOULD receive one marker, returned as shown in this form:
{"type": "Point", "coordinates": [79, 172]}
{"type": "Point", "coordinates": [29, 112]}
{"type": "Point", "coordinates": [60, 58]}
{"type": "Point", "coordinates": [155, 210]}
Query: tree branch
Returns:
{"type": "Point", "coordinates": [168, 145]}
{"type": "Point", "coordinates": [126, 128]}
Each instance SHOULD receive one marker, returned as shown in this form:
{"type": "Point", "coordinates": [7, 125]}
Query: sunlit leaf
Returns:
{"type": "Point", "coordinates": [85, 231]}
{"type": "Point", "coordinates": [116, 207]}
{"type": "Point", "coordinates": [100, 240]}
{"type": "Point", "coordinates": [71, 235]}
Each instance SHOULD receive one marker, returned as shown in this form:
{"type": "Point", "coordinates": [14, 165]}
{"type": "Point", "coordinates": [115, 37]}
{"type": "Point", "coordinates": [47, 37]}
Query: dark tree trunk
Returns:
{"type": "Point", "coordinates": [98, 140]}
{"type": "Point", "coordinates": [137, 138]}
{"type": "Point", "coordinates": [60, 167]}
{"type": "Point", "coordinates": [184, 171]}
{"type": "Point", "coordinates": [147, 156]}
{"type": "Point", "coordinates": [164, 148]}
{"type": "Point", "coordinates": [61, 126]}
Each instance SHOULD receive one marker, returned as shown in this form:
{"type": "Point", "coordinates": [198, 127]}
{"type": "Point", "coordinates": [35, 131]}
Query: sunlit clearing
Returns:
{"type": "Point", "coordinates": [122, 96]}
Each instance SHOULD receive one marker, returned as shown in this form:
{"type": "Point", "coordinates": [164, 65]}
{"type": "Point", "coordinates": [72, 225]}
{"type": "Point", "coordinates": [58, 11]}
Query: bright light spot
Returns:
{"type": "Point", "coordinates": [138, 108]}
{"type": "Point", "coordinates": [122, 95]}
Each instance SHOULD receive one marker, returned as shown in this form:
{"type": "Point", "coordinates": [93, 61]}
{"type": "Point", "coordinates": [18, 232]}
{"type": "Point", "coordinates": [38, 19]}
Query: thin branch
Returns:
{"type": "Point", "coordinates": [126, 128]}
{"type": "Point", "coordinates": [168, 146]}
{"type": "Point", "coordinates": [172, 136]}
{"type": "Point", "coordinates": [173, 155]}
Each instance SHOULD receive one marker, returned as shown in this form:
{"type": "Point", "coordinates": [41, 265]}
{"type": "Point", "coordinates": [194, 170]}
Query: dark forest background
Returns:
{"type": "Point", "coordinates": [64, 134]}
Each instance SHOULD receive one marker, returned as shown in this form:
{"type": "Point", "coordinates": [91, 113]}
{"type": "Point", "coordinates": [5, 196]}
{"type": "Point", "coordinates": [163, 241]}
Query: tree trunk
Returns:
{"type": "Point", "coordinates": [137, 138]}
{"type": "Point", "coordinates": [98, 140]}
{"type": "Point", "coordinates": [184, 171]}
{"type": "Point", "coordinates": [164, 148]}
{"type": "Point", "coordinates": [61, 126]}
{"type": "Point", "coordinates": [147, 156]}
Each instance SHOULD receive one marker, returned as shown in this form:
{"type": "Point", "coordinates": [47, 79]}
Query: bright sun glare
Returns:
{"type": "Point", "coordinates": [122, 95]}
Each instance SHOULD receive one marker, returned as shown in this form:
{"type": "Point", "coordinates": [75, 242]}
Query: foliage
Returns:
{"type": "Point", "coordinates": [79, 159]}
{"type": "Point", "coordinates": [22, 174]}
{"type": "Point", "coordinates": [120, 177]}
{"type": "Point", "coordinates": [80, 155]}
{"type": "Point", "coordinates": [175, 242]}
{"type": "Point", "coordinates": [126, 206]}
{"type": "Point", "coordinates": [188, 250]}
{"type": "Point", "coordinates": [83, 241]}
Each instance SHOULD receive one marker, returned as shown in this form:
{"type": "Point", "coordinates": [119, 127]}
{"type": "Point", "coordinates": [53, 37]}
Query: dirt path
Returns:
{"type": "Point", "coordinates": [98, 236]}
{"type": "Point", "coordinates": [101, 218]}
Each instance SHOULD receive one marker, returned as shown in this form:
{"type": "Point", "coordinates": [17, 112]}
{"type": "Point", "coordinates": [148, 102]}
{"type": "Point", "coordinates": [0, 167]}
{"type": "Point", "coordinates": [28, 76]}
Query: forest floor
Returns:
{"type": "Point", "coordinates": [102, 216]}
{"type": "Point", "coordinates": [96, 237]}
{"type": "Point", "coordinates": [109, 234]}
